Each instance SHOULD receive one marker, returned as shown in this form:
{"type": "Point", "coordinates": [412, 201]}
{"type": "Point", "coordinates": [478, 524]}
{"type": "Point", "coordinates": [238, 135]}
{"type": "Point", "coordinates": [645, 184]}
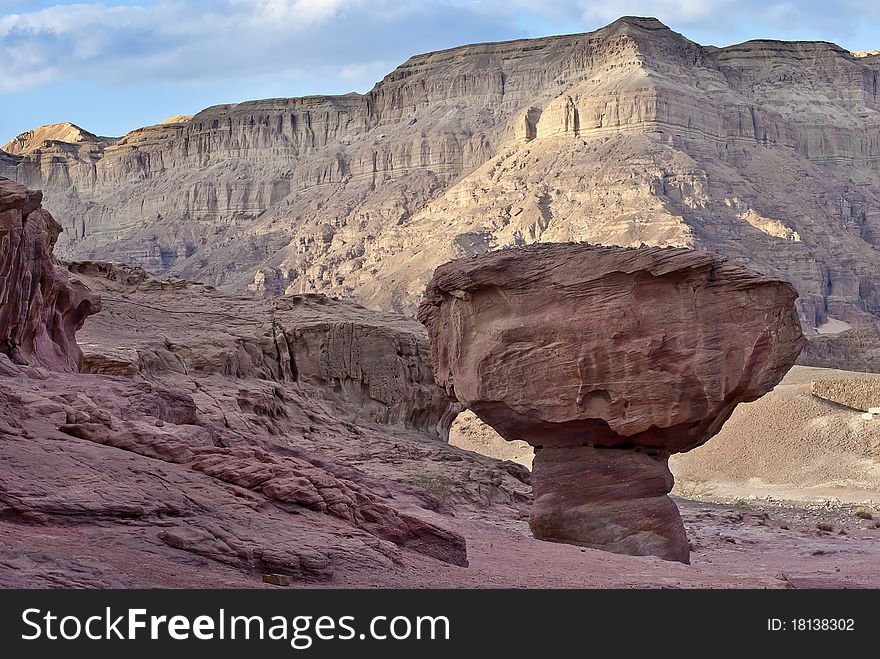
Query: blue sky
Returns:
{"type": "Point", "coordinates": [116, 65]}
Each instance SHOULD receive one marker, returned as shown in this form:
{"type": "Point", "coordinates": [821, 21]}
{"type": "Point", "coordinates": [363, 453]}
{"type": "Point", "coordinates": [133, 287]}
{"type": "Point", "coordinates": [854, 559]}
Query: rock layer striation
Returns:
{"type": "Point", "coordinates": [765, 152]}
{"type": "Point", "coordinates": [607, 360]}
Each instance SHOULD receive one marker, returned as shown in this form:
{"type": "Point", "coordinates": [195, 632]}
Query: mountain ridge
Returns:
{"type": "Point", "coordinates": [64, 131]}
{"type": "Point", "coordinates": [764, 151]}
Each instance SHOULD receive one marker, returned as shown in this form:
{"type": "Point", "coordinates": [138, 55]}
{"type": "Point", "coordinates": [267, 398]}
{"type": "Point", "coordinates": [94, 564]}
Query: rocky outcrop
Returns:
{"type": "Point", "coordinates": [207, 432]}
{"type": "Point", "coordinates": [608, 360]}
{"type": "Point", "coordinates": [851, 350]}
{"type": "Point", "coordinates": [764, 152]}
{"type": "Point", "coordinates": [41, 307]}
{"type": "Point", "coordinates": [42, 137]}
{"type": "Point", "coordinates": [157, 478]}
{"type": "Point", "coordinates": [377, 364]}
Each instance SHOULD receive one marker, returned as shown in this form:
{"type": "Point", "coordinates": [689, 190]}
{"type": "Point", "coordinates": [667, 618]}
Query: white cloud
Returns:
{"type": "Point", "coordinates": [309, 11]}
{"type": "Point", "coordinates": [360, 70]}
{"type": "Point", "coordinates": [166, 38]}
{"type": "Point", "coordinates": [203, 40]}
{"type": "Point", "coordinates": [673, 11]}
{"type": "Point", "coordinates": [200, 41]}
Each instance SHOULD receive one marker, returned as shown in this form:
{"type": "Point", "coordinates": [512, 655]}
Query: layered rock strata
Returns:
{"type": "Point", "coordinates": [765, 152]}
{"type": "Point", "coordinates": [41, 307]}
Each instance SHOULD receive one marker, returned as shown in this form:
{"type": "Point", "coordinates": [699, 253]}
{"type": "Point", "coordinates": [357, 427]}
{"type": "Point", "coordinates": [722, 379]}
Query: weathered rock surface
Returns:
{"type": "Point", "coordinates": [209, 430]}
{"type": "Point", "coordinates": [591, 354]}
{"type": "Point", "coordinates": [859, 394]}
{"type": "Point", "coordinates": [851, 350]}
{"type": "Point", "coordinates": [44, 136]}
{"type": "Point", "coordinates": [377, 363]}
{"type": "Point", "coordinates": [764, 151]}
{"type": "Point", "coordinates": [233, 432]}
{"type": "Point", "coordinates": [41, 307]}
{"type": "Point", "coordinates": [78, 453]}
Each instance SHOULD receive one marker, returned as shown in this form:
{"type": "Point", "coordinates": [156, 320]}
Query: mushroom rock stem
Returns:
{"type": "Point", "coordinates": [607, 498]}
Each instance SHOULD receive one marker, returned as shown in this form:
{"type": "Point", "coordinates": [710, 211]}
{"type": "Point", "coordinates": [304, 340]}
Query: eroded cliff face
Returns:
{"type": "Point", "coordinates": [377, 365]}
{"type": "Point", "coordinates": [607, 361]}
{"type": "Point", "coordinates": [765, 152]}
{"type": "Point", "coordinates": [40, 306]}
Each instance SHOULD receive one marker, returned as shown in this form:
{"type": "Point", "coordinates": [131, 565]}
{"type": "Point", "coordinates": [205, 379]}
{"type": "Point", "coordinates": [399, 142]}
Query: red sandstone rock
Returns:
{"type": "Point", "coordinates": [40, 306]}
{"type": "Point", "coordinates": [187, 442]}
{"type": "Point", "coordinates": [592, 353]}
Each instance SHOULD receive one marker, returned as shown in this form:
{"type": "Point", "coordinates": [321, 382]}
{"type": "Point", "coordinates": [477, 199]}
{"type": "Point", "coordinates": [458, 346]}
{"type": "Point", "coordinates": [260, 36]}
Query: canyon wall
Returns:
{"type": "Point", "coordinates": [766, 152]}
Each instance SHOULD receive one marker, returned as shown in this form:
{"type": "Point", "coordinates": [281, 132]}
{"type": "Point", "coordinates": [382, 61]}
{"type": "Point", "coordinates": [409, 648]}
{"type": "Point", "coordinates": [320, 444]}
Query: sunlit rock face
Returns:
{"type": "Point", "coordinates": [765, 152]}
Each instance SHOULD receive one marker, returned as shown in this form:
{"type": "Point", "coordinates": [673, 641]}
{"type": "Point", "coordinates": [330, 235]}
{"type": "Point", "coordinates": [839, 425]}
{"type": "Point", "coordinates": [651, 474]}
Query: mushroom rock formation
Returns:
{"type": "Point", "coordinates": [607, 360]}
{"type": "Point", "coordinates": [41, 307]}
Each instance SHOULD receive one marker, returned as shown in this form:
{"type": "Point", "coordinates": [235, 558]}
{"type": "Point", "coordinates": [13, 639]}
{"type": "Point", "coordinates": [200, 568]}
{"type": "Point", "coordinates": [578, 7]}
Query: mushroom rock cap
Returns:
{"type": "Point", "coordinates": [647, 348]}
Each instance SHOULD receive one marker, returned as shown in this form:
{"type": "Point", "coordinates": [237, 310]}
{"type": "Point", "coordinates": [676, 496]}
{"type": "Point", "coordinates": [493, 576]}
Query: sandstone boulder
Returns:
{"type": "Point", "coordinates": [607, 360]}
